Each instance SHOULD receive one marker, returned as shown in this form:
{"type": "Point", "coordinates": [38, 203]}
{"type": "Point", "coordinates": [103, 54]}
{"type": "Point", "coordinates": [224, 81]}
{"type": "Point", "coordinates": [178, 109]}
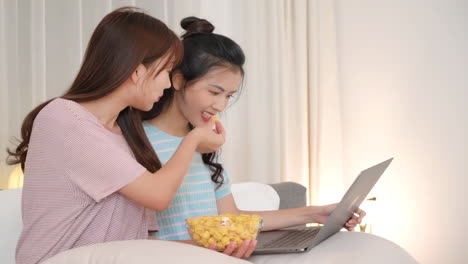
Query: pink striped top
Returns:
{"type": "Point", "coordinates": [74, 169]}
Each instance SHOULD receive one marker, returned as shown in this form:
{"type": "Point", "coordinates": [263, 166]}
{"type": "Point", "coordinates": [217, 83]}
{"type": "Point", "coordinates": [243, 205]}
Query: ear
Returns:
{"type": "Point", "coordinates": [139, 73]}
{"type": "Point", "coordinates": [178, 80]}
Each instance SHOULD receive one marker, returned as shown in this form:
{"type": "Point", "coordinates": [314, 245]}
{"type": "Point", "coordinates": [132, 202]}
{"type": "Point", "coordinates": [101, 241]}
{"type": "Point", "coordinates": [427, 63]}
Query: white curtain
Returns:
{"type": "Point", "coordinates": [286, 124]}
{"type": "Point", "coordinates": [325, 125]}
{"type": "Point", "coordinates": [290, 109]}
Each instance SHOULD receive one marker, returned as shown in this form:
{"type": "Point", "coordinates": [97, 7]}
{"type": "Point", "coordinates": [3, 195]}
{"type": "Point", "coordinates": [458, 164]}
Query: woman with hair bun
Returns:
{"type": "Point", "coordinates": [208, 77]}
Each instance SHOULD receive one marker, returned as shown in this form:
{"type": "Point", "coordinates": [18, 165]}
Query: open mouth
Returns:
{"type": "Point", "coordinates": [206, 116]}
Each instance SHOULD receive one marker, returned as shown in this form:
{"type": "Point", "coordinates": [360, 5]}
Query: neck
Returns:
{"type": "Point", "coordinates": [106, 110]}
{"type": "Point", "coordinates": [171, 121]}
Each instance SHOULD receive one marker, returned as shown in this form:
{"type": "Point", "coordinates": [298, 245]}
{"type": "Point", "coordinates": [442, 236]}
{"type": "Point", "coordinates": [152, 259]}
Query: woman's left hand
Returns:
{"type": "Point", "coordinates": [325, 211]}
{"type": "Point", "coordinates": [243, 251]}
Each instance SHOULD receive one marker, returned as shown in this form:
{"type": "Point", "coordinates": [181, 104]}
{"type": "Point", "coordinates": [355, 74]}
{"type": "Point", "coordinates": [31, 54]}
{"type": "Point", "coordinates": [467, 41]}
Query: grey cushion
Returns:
{"type": "Point", "coordinates": [292, 195]}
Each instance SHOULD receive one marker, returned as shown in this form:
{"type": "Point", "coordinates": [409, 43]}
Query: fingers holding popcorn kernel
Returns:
{"type": "Point", "coordinates": [218, 127]}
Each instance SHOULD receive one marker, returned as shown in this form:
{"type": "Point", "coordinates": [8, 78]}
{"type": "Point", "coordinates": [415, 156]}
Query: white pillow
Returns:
{"type": "Point", "coordinates": [254, 196]}
{"type": "Point", "coordinates": [10, 224]}
{"type": "Point", "coordinates": [142, 252]}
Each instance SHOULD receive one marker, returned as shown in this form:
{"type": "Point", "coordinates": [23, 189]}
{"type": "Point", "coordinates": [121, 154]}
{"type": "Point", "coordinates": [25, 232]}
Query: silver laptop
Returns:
{"type": "Point", "coordinates": [302, 240]}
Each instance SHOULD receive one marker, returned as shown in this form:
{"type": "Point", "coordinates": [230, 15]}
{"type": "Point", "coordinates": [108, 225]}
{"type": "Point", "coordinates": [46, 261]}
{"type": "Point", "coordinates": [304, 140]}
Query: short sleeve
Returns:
{"type": "Point", "coordinates": [225, 188]}
{"type": "Point", "coordinates": [97, 161]}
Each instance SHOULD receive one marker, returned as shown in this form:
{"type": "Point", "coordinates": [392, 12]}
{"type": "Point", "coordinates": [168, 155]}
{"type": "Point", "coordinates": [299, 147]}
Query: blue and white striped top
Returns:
{"type": "Point", "coordinates": [196, 196]}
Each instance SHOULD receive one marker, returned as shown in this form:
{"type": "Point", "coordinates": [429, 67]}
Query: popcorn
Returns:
{"type": "Point", "coordinates": [215, 118]}
{"type": "Point", "coordinates": [223, 229]}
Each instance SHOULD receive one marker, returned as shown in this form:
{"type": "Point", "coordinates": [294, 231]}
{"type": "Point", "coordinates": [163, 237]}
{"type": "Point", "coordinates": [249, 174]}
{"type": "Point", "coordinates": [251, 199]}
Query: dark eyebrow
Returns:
{"type": "Point", "coordinates": [218, 87]}
{"type": "Point", "coordinates": [222, 89]}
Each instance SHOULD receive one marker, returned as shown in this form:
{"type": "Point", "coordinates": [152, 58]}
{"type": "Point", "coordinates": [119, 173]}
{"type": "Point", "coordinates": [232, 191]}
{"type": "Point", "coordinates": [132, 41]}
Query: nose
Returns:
{"type": "Point", "coordinates": [220, 104]}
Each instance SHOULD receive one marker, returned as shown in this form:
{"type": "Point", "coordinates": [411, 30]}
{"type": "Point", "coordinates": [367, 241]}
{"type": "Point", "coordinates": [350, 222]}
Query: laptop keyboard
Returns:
{"type": "Point", "coordinates": [293, 238]}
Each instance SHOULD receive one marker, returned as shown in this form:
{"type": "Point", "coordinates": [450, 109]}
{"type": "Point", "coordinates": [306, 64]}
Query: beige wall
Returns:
{"type": "Point", "coordinates": [404, 80]}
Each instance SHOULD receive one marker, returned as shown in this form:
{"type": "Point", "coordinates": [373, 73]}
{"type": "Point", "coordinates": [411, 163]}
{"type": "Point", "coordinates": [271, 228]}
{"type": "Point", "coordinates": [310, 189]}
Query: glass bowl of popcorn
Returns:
{"type": "Point", "coordinates": [223, 229]}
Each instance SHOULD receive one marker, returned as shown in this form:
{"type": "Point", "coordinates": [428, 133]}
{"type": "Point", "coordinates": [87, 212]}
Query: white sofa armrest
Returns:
{"type": "Point", "coordinates": [10, 223]}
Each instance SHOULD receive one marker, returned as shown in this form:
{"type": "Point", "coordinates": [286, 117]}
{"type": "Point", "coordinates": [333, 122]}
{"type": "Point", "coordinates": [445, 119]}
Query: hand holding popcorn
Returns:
{"type": "Point", "coordinates": [216, 125]}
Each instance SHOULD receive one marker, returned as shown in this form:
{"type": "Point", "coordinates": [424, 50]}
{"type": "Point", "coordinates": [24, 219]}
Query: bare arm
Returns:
{"type": "Point", "coordinates": [278, 219]}
{"type": "Point", "coordinates": [272, 220]}
{"type": "Point", "coordinates": [156, 190]}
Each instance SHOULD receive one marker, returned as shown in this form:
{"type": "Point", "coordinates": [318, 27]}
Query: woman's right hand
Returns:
{"type": "Point", "coordinates": [209, 139]}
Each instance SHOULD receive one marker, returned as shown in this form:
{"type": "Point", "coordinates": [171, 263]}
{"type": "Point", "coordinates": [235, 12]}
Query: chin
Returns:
{"type": "Point", "coordinates": [148, 108]}
{"type": "Point", "coordinates": [196, 123]}
{"type": "Point", "coordinates": [143, 108]}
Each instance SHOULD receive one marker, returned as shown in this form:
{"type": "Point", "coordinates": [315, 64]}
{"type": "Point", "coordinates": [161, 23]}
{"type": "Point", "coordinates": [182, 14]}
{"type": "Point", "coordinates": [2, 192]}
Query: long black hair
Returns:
{"type": "Point", "coordinates": [203, 50]}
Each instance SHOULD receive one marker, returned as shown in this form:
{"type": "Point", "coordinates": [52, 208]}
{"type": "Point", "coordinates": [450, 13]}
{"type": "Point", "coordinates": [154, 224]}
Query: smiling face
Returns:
{"type": "Point", "coordinates": [207, 95]}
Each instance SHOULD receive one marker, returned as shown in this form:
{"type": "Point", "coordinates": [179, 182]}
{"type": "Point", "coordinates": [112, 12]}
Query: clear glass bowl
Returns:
{"type": "Point", "coordinates": [223, 229]}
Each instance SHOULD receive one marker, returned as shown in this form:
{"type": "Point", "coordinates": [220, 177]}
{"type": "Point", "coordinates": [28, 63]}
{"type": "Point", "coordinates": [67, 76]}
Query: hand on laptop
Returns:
{"type": "Point", "coordinates": [244, 251]}
{"type": "Point", "coordinates": [355, 219]}
{"type": "Point", "coordinates": [326, 210]}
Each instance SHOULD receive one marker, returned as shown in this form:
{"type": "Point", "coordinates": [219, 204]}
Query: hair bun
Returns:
{"type": "Point", "coordinates": [194, 25]}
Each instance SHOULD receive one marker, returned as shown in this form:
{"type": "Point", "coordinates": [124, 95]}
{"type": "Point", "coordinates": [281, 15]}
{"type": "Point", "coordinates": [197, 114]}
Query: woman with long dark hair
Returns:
{"type": "Point", "coordinates": [90, 171]}
{"type": "Point", "coordinates": [210, 74]}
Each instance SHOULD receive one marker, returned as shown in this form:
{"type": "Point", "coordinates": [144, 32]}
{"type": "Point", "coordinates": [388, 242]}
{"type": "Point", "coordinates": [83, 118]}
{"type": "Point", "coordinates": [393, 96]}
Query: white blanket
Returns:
{"type": "Point", "coordinates": [346, 248]}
